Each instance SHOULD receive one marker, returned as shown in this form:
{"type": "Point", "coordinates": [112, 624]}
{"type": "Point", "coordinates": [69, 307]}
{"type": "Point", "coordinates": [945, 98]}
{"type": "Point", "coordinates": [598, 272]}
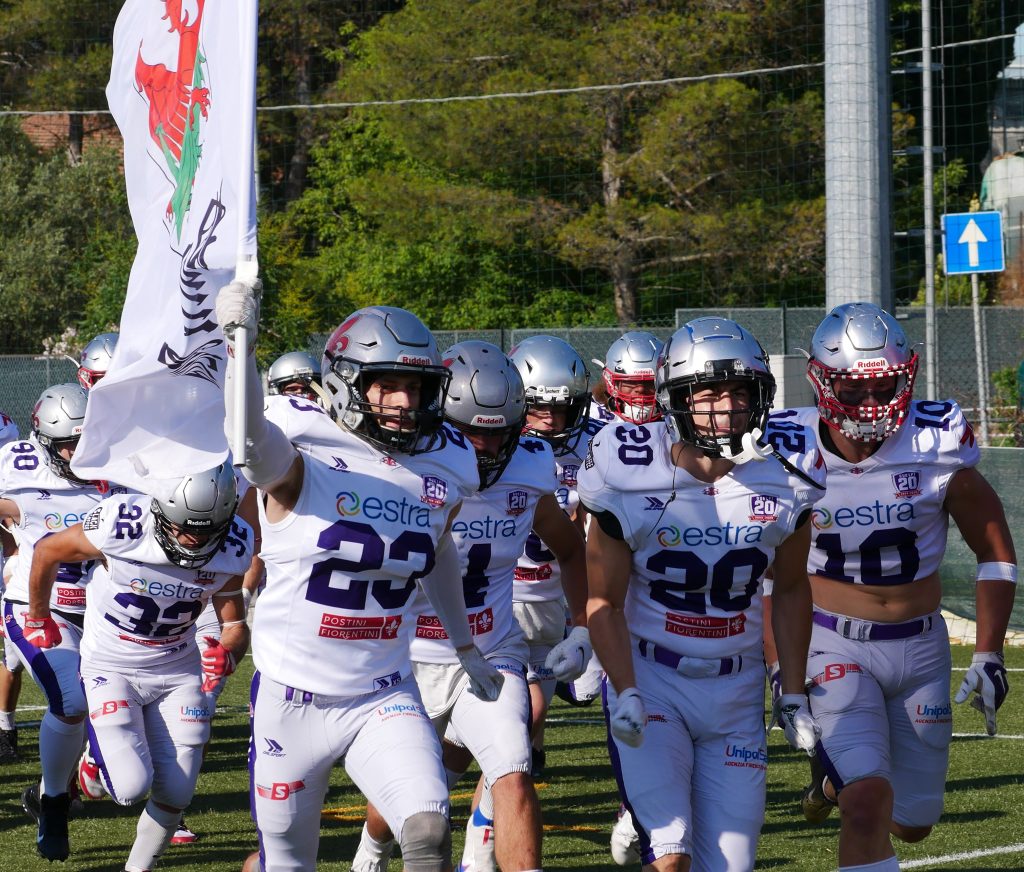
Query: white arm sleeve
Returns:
{"type": "Point", "coordinates": [443, 588]}
{"type": "Point", "coordinates": [269, 454]}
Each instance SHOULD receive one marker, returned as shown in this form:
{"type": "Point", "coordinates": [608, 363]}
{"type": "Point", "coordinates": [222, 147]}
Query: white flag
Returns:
{"type": "Point", "coordinates": [182, 90]}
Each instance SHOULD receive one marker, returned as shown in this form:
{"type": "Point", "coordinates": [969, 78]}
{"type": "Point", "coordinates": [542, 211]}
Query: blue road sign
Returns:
{"type": "Point", "coordinates": [972, 242]}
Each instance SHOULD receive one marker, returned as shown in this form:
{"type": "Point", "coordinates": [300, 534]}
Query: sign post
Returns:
{"type": "Point", "coordinates": [972, 243]}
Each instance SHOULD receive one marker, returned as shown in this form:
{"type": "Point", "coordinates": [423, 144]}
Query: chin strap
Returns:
{"type": "Point", "coordinates": [752, 448]}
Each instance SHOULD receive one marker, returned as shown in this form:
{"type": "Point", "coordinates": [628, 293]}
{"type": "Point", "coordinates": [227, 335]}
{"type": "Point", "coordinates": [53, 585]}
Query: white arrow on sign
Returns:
{"type": "Point", "coordinates": [972, 235]}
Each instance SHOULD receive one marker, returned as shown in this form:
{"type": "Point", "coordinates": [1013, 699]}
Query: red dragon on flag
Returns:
{"type": "Point", "coordinates": [177, 102]}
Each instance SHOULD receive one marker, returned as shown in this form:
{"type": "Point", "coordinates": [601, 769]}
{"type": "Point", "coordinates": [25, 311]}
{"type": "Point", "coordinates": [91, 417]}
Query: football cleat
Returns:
{"type": "Point", "coordinates": [51, 816]}
{"type": "Point", "coordinates": [183, 835]}
{"type": "Point", "coordinates": [89, 781]}
{"type": "Point", "coordinates": [9, 746]}
{"type": "Point", "coordinates": [537, 761]}
{"type": "Point", "coordinates": [625, 843]}
{"type": "Point", "coordinates": [815, 804]}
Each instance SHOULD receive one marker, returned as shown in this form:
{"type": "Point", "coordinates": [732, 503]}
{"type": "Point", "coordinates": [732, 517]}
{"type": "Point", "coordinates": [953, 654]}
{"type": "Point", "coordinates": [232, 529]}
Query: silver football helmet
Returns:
{"type": "Point", "coordinates": [95, 359]}
{"type": "Point", "coordinates": [633, 357]}
{"type": "Point", "coordinates": [203, 505]}
{"type": "Point", "coordinates": [57, 421]}
{"type": "Point", "coordinates": [294, 368]}
{"type": "Point", "coordinates": [486, 396]}
{"type": "Point", "coordinates": [554, 374]}
{"type": "Point", "coordinates": [859, 342]}
{"type": "Point", "coordinates": [375, 342]}
{"type": "Point", "coordinates": [702, 353]}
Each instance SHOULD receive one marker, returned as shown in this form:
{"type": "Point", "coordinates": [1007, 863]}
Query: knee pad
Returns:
{"type": "Point", "coordinates": [426, 842]}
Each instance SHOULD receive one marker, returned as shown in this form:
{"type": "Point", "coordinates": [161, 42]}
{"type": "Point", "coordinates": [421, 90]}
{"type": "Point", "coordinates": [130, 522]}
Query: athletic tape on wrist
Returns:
{"type": "Point", "coordinates": [997, 572]}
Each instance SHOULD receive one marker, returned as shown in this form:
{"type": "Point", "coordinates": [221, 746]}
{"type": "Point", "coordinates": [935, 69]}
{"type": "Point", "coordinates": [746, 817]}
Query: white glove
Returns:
{"type": "Point", "coordinates": [238, 305]}
{"type": "Point", "coordinates": [801, 729]}
{"type": "Point", "coordinates": [568, 659]}
{"type": "Point", "coordinates": [484, 680]}
{"type": "Point", "coordinates": [628, 718]}
{"type": "Point", "coordinates": [987, 678]}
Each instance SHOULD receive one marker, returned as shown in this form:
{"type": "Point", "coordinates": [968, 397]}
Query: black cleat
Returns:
{"type": "Point", "coordinates": [9, 746]}
{"type": "Point", "coordinates": [538, 759]}
{"type": "Point", "coordinates": [52, 834]}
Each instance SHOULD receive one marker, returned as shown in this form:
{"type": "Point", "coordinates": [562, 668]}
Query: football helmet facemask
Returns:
{"type": "Point", "coordinates": [486, 396]}
{"type": "Point", "coordinates": [555, 375]}
{"type": "Point", "coordinates": [860, 349]}
{"type": "Point", "coordinates": [202, 504]}
{"type": "Point", "coordinates": [374, 343]}
{"type": "Point", "coordinates": [701, 354]}
{"type": "Point", "coordinates": [632, 358]}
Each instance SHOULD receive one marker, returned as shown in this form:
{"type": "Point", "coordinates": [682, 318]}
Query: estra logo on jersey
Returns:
{"type": "Point", "coordinates": [907, 484]}
{"type": "Point", "coordinates": [55, 521]}
{"type": "Point", "coordinates": [764, 508]}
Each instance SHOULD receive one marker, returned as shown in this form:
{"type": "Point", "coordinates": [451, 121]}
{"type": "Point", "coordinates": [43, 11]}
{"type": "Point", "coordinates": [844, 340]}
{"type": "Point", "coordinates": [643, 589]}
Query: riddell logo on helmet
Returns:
{"type": "Point", "coordinates": [873, 364]}
{"type": "Point", "coordinates": [488, 420]}
{"type": "Point", "coordinates": [416, 361]}
{"type": "Point", "coordinates": [198, 522]}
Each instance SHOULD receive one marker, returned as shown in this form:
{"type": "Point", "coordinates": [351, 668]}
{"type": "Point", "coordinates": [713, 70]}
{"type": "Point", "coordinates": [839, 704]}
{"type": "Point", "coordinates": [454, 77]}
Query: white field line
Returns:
{"type": "Point", "coordinates": [925, 862]}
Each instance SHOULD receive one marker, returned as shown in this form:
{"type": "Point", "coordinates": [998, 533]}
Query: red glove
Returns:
{"type": "Point", "coordinates": [218, 663]}
{"type": "Point", "coordinates": [42, 632]}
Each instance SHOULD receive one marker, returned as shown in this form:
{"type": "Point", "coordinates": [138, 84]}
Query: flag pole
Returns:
{"type": "Point", "coordinates": [246, 262]}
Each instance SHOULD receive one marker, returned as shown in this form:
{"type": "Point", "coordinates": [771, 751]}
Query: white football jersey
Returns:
{"type": "Point", "coordinates": [48, 504]}
{"type": "Point", "coordinates": [342, 568]}
{"type": "Point", "coordinates": [142, 608]}
{"type": "Point", "coordinates": [700, 550]}
{"type": "Point", "coordinates": [8, 430]}
{"type": "Point", "coordinates": [881, 521]}
{"type": "Point", "coordinates": [490, 532]}
{"type": "Point", "coordinates": [538, 577]}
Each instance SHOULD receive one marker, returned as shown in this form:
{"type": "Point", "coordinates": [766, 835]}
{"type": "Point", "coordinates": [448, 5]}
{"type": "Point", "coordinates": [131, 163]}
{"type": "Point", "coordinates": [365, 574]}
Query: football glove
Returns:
{"type": "Point", "coordinates": [568, 659]}
{"type": "Point", "coordinates": [238, 305]}
{"type": "Point", "coordinates": [484, 680]}
{"type": "Point", "coordinates": [987, 678]}
{"type": "Point", "coordinates": [218, 663]}
{"type": "Point", "coordinates": [793, 713]}
{"type": "Point", "coordinates": [628, 718]}
{"type": "Point", "coordinates": [42, 632]}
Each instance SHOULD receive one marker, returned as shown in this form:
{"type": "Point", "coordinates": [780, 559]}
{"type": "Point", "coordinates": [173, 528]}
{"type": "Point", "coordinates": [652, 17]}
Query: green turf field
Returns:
{"type": "Point", "coordinates": [984, 800]}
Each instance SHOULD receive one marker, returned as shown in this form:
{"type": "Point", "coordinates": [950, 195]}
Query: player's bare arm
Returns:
{"type": "Point", "coordinates": [9, 511]}
{"type": "Point", "coordinates": [609, 561]}
{"type": "Point", "coordinates": [978, 513]}
{"type": "Point", "coordinates": [563, 537]}
{"type": "Point", "coordinates": [68, 546]}
{"type": "Point", "coordinates": [790, 612]}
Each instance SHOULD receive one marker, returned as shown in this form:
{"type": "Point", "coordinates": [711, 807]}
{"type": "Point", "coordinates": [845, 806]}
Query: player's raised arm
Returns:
{"type": "Point", "coordinates": [272, 462]}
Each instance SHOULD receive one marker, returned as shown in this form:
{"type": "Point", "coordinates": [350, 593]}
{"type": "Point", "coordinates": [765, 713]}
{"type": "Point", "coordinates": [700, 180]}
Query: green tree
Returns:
{"type": "Point", "coordinates": [714, 182]}
{"type": "Point", "coordinates": [66, 241]}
